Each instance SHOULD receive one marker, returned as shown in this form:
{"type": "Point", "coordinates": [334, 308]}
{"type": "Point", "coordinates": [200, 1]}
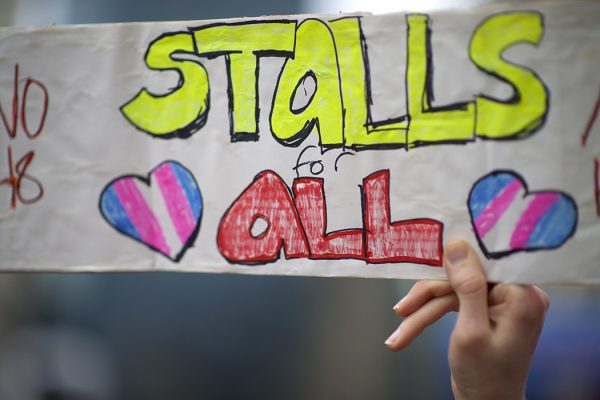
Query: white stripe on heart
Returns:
{"type": "Point", "coordinates": [156, 201]}
{"type": "Point", "coordinates": [498, 238]}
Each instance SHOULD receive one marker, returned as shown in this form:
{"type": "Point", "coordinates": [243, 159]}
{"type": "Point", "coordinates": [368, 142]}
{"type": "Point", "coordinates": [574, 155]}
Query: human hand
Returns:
{"type": "Point", "coordinates": [496, 331]}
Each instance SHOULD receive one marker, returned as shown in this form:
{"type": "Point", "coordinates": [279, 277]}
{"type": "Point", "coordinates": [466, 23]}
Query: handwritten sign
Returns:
{"type": "Point", "coordinates": [346, 145]}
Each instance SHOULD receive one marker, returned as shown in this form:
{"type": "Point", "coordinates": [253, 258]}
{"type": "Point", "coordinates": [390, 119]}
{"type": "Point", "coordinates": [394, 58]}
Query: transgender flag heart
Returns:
{"type": "Point", "coordinates": [162, 211]}
{"type": "Point", "coordinates": [508, 218]}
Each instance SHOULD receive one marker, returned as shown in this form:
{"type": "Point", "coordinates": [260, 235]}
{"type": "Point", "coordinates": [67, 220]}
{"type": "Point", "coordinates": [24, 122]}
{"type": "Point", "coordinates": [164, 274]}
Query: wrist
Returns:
{"type": "Point", "coordinates": [493, 396]}
{"type": "Point", "coordinates": [489, 393]}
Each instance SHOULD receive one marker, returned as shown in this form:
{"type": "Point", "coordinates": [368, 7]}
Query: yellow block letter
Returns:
{"type": "Point", "coordinates": [242, 43]}
{"type": "Point", "coordinates": [526, 111]}
{"type": "Point", "coordinates": [182, 111]}
{"type": "Point", "coordinates": [359, 131]}
{"type": "Point", "coordinates": [314, 66]}
{"type": "Point", "coordinates": [428, 125]}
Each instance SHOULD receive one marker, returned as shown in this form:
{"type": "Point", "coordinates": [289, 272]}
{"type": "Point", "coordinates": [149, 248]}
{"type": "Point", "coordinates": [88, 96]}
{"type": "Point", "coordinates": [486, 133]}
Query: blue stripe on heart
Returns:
{"type": "Point", "coordinates": [555, 225]}
{"type": "Point", "coordinates": [190, 189]}
{"type": "Point", "coordinates": [115, 213]}
{"type": "Point", "coordinates": [548, 218]}
{"type": "Point", "coordinates": [128, 204]}
{"type": "Point", "coordinates": [486, 191]}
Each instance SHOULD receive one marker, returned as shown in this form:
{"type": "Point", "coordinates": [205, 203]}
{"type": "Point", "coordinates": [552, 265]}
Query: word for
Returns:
{"type": "Point", "coordinates": [325, 84]}
{"type": "Point", "coordinates": [18, 171]}
{"type": "Point", "coordinates": [315, 165]}
{"type": "Point", "coordinates": [297, 223]}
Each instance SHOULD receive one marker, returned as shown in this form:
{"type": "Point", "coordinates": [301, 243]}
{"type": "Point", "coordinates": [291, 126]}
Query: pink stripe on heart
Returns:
{"type": "Point", "coordinates": [497, 207]}
{"type": "Point", "coordinates": [140, 214]}
{"type": "Point", "coordinates": [176, 202]}
{"type": "Point", "coordinates": [530, 217]}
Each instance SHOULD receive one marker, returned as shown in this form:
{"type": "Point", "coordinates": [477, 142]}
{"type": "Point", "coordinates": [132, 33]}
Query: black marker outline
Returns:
{"type": "Point", "coordinates": [365, 256]}
{"type": "Point", "coordinates": [147, 180]}
{"type": "Point", "coordinates": [300, 110]}
{"type": "Point", "coordinates": [375, 126]}
{"type": "Point", "coordinates": [199, 121]}
{"type": "Point", "coordinates": [535, 126]}
{"type": "Point", "coordinates": [244, 136]}
{"type": "Point", "coordinates": [343, 153]}
{"type": "Point", "coordinates": [427, 106]}
{"type": "Point", "coordinates": [325, 234]}
{"type": "Point", "coordinates": [281, 247]}
{"type": "Point", "coordinates": [503, 253]}
{"type": "Point", "coordinates": [425, 220]}
{"type": "Point", "coordinates": [299, 137]}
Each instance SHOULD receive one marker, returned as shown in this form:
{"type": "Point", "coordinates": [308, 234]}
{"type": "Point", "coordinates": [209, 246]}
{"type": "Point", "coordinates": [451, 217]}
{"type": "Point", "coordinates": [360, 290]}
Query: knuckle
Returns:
{"type": "Point", "coordinates": [418, 289]}
{"type": "Point", "coordinates": [471, 340]}
{"type": "Point", "coordinates": [421, 285]}
{"type": "Point", "coordinates": [471, 284]}
{"type": "Point", "coordinates": [424, 288]}
{"type": "Point", "coordinates": [440, 288]}
{"type": "Point", "coordinates": [533, 307]}
{"type": "Point", "coordinates": [544, 299]}
{"type": "Point", "coordinates": [539, 306]}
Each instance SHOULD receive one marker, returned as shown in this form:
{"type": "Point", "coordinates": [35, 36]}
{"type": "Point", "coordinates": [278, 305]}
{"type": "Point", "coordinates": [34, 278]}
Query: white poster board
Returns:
{"type": "Point", "coordinates": [328, 145]}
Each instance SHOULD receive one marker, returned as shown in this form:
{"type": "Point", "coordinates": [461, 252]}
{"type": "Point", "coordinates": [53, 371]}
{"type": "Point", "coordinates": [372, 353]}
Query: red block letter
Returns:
{"type": "Point", "coordinates": [310, 202]}
{"type": "Point", "coordinates": [417, 241]}
{"type": "Point", "coordinates": [266, 198]}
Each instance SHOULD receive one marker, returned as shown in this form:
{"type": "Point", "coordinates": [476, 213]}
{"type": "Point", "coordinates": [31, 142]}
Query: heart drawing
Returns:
{"type": "Point", "coordinates": [162, 211]}
{"type": "Point", "coordinates": [507, 217]}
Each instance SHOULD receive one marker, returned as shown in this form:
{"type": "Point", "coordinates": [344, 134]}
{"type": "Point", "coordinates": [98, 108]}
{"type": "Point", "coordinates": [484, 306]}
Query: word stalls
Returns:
{"type": "Point", "coordinates": [327, 67]}
{"type": "Point", "coordinates": [24, 188]}
{"type": "Point", "coordinates": [298, 223]}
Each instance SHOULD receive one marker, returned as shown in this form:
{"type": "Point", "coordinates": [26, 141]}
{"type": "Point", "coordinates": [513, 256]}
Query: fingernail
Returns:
{"type": "Point", "coordinates": [398, 304]}
{"type": "Point", "coordinates": [393, 337]}
{"type": "Point", "coordinates": [456, 252]}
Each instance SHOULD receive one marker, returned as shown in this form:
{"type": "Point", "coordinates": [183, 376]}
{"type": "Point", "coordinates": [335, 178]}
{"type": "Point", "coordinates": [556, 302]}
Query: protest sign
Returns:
{"type": "Point", "coordinates": [327, 145]}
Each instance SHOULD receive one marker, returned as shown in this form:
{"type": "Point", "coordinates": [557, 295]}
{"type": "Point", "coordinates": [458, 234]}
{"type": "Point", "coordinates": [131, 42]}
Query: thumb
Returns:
{"type": "Point", "coordinates": [467, 278]}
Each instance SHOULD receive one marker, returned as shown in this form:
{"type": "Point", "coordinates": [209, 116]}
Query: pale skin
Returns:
{"type": "Point", "coordinates": [496, 331]}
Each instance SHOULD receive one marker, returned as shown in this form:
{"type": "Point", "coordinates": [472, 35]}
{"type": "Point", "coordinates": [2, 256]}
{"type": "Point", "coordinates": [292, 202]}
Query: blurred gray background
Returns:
{"type": "Point", "coordinates": [200, 336]}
